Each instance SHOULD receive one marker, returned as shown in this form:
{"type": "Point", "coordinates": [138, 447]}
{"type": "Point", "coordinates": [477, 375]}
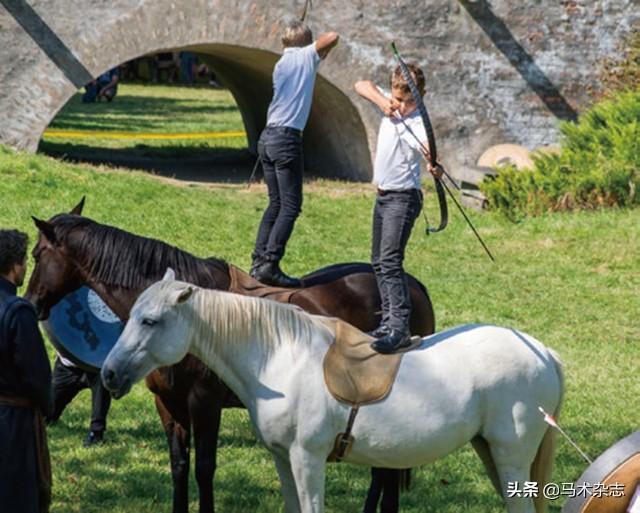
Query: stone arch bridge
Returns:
{"type": "Point", "coordinates": [497, 71]}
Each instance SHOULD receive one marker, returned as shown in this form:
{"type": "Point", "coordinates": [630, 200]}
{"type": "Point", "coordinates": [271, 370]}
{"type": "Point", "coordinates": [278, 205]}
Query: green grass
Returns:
{"type": "Point", "coordinates": [571, 280]}
{"type": "Point", "coordinates": [154, 109]}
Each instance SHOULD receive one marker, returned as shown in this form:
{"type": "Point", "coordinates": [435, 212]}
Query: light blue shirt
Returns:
{"type": "Point", "coordinates": [293, 80]}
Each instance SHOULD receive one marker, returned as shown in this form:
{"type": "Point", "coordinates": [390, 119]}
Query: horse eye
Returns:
{"type": "Point", "coordinates": [149, 322]}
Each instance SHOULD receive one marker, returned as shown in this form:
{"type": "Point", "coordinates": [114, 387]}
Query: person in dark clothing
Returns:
{"type": "Point", "coordinates": [68, 381]}
{"type": "Point", "coordinates": [105, 86]}
{"type": "Point", "coordinates": [25, 389]}
{"type": "Point", "coordinates": [280, 147]}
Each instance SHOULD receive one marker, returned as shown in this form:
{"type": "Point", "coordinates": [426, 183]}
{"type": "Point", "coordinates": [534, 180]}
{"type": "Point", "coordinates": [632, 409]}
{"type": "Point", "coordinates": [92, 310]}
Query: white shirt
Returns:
{"type": "Point", "coordinates": [398, 156]}
{"type": "Point", "coordinates": [293, 80]}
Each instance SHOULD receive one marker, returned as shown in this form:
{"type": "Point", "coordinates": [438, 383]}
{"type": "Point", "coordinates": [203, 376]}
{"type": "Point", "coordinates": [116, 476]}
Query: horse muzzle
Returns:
{"type": "Point", "coordinates": [118, 385]}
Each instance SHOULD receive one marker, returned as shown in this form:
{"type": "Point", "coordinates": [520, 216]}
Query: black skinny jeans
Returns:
{"type": "Point", "coordinates": [280, 150]}
{"type": "Point", "coordinates": [393, 219]}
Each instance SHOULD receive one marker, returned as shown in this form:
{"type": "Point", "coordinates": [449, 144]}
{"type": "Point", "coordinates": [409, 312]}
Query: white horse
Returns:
{"type": "Point", "coordinates": [475, 383]}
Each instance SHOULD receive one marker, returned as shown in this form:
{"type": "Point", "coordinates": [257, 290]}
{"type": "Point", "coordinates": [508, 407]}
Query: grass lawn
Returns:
{"type": "Point", "coordinates": [155, 109]}
{"type": "Point", "coordinates": [571, 280]}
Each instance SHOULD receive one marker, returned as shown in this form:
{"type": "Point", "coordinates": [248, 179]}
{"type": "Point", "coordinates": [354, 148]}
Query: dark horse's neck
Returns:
{"type": "Point", "coordinates": [119, 265]}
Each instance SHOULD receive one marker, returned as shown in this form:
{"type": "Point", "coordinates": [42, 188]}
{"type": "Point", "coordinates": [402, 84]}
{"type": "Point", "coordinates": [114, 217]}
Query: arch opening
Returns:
{"type": "Point", "coordinates": [335, 139]}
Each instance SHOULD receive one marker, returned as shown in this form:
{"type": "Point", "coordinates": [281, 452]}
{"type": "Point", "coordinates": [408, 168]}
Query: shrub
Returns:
{"type": "Point", "coordinates": [598, 165]}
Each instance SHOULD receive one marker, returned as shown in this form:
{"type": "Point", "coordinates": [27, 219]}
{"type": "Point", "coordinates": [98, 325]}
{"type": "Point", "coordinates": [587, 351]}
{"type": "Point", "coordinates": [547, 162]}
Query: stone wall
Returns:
{"type": "Point", "coordinates": [497, 71]}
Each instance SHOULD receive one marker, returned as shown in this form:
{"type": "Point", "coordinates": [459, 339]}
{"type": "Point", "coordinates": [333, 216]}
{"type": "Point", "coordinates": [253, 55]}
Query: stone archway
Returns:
{"type": "Point", "coordinates": [59, 56]}
{"type": "Point", "coordinates": [497, 71]}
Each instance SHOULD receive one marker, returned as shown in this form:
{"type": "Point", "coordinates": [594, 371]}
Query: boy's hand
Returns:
{"type": "Point", "coordinates": [436, 170]}
{"type": "Point", "coordinates": [389, 107]}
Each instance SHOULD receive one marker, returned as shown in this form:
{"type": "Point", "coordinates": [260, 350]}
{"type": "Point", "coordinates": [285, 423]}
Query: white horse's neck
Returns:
{"type": "Point", "coordinates": [239, 337]}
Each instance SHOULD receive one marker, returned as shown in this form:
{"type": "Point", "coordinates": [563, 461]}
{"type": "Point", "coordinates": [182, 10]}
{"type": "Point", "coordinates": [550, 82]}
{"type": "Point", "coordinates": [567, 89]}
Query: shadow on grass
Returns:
{"type": "Point", "coordinates": [189, 163]}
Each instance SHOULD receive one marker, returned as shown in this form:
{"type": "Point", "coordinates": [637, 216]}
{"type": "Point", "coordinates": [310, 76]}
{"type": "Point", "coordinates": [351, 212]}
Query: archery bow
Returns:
{"type": "Point", "coordinates": [307, 9]}
{"type": "Point", "coordinates": [441, 186]}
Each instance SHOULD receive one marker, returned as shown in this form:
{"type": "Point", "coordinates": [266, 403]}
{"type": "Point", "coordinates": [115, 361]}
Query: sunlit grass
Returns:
{"type": "Point", "coordinates": [152, 109]}
{"type": "Point", "coordinates": [571, 280]}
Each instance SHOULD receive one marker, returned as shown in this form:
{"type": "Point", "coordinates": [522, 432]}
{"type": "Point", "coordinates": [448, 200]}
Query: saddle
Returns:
{"type": "Point", "coordinates": [357, 375]}
{"type": "Point", "coordinates": [354, 373]}
{"type": "Point", "coordinates": [243, 283]}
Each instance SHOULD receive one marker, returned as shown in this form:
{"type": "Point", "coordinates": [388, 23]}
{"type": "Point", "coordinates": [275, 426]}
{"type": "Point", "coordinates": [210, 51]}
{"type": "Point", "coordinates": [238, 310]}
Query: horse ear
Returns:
{"type": "Point", "coordinates": [46, 229]}
{"type": "Point", "coordinates": [184, 295]}
{"type": "Point", "coordinates": [169, 275]}
{"type": "Point", "coordinates": [77, 210]}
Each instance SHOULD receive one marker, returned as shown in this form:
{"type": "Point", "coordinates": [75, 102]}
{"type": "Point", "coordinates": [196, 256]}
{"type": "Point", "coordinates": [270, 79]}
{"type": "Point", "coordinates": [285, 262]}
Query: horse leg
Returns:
{"type": "Point", "coordinates": [375, 490]}
{"type": "Point", "coordinates": [390, 490]}
{"type": "Point", "coordinates": [178, 436]}
{"type": "Point", "coordinates": [287, 484]}
{"type": "Point", "coordinates": [513, 467]}
{"type": "Point", "coordinates": [309, 474]}
{"type": "Point", "coordinates": [205, 418]}
{"type": "Point", "coordinates": [481, 447]}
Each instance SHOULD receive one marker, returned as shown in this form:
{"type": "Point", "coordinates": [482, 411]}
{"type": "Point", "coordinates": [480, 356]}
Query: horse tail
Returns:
{"type": "Point", "coordinates": [543, 462]}
{"type": "Point", "coordinates": [404, 481]}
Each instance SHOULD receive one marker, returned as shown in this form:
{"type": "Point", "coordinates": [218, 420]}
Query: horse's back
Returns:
{"type": "Point", "coordinates": [350, 291]}
{"type": "Point", "coordinates": [467, 381]}
{"type": "Point", "coordinates": [497, 361]}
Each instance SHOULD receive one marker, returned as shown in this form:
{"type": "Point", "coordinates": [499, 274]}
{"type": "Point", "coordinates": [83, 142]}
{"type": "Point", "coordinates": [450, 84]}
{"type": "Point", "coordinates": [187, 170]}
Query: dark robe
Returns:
{"type": "Point", "coordinates": [25, 374]}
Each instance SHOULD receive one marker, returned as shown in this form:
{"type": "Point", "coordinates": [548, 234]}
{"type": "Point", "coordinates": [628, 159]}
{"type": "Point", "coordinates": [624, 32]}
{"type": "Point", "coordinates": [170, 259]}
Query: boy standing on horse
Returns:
{"type": "Point", "coordinates": [280, 147]}
{"type": "Point", "coordinates": [25, 389]}
{"type": "Point", "coordinates": [398, 201]}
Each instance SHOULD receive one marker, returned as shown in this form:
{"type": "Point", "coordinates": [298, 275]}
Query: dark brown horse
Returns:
{"type": "Point", "coordinates": [73, 251]}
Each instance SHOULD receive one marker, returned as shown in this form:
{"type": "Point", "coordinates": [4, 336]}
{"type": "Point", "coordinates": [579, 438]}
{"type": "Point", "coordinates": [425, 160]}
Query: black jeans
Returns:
{"type": "Point", "coordinates": [280, 150]}
{"type": "Point", "coordinates": [68, 382]}
{"type": "Point", "coordinates": [393, 219]}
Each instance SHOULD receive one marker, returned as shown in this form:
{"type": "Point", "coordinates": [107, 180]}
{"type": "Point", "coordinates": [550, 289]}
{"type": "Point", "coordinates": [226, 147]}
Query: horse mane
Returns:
{"type": "Point", "coordinates": [233, 317]}
{"type": "Point", "coordinates": [122, 259]}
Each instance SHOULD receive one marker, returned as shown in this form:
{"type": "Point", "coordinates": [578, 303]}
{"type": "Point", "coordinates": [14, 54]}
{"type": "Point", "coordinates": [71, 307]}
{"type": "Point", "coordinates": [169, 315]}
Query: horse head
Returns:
{"type": "Point", "coordinates": [55, 274]}
{"type": "Point", "coordinates": [154, 336]}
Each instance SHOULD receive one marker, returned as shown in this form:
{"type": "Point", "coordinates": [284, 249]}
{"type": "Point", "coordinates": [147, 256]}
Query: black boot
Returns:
{"type": "Point", "coordinates": [256, 263]}
{"type": "Point", "coordinates": [380, 331]}
{"type": "Point", "coordinates": [392, 342]}
{"type": "Point", "coordinates": [270, 273]}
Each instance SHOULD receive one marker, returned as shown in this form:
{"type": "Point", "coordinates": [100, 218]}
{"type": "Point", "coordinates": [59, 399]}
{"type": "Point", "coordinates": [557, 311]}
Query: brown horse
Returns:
{"type": "Point", "coordinates": [73, 251]}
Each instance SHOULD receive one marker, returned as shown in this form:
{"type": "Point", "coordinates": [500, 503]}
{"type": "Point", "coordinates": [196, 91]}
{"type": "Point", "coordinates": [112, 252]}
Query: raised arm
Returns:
{"type": "Point", "coordinates": [326, 42]}
{"type": "Point", "coordinates": [369, 91]}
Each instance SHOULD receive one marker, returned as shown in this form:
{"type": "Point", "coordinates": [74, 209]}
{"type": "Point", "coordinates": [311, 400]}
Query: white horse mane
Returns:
{"type": "Point", "coordinates": [233, 318]}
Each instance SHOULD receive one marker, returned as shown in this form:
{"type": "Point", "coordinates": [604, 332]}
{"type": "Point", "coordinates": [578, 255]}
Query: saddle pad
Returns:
{"type": "Point", "coordinates": [243, 283]}
{"type": "Point", "coordinates": [356, 374]}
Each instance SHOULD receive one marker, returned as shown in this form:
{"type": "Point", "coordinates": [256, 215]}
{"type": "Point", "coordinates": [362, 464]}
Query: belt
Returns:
{"type": "Point", "coordinates": [285, 130]}
{"type": "Point", "coordinates": [382, 192]}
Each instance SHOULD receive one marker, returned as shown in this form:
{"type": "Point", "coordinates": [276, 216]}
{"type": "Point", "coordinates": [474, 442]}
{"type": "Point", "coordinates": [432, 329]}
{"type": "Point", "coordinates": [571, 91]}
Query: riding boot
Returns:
{"type": "Point", "coordinates": [392, 342]}
{"type": "Point", "coordinates": [270, 273]}
{"type": "Point", "coordinates": [380, 331]}
{"type": "Point", "coordinates": [256, 263]}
